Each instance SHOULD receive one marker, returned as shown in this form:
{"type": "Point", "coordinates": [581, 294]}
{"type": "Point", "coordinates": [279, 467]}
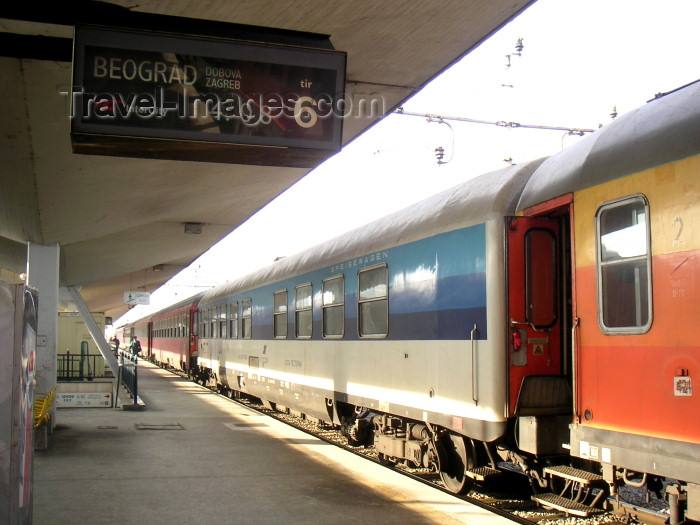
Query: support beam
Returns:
{"type": "Point", "coordinates": [42, 275]}
{"type": "Point", "coordinates": [95, 332]}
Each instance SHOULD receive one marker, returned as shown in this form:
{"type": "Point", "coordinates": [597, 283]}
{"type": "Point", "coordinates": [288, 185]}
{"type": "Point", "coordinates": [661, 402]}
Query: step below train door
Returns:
{"type": "Point", "coordinates": [536, 309]}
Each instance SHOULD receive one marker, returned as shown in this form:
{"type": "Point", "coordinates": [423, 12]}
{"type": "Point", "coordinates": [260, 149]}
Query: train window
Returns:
{"type": "Point", "coordinates": [333, 303]}
{"type": "Point", "coordinates": [223, 320]}
{"type": "Point", "coordinates": [246, 318]}
{"type": "Point", "coordinates": [213, 320]}
{"type": "Point", "coordinates": [303, 319]}
{"type": "Point", "coordinates": [186, 327]}
{"type": "Point", "coordinates": [624, 277]}
{"type": "Point", "coordinates": [233, 320]}
{"type": "Point", "coordinates": [373, 302]}
{"type": "Point", "coordinates": [205, 322]}
{"type": "Point", "coordinates": [540, 278]}
{"type": "Point", "coordinates": [195, 324]}
{"type": "Point", "coordinates": [280, 314]}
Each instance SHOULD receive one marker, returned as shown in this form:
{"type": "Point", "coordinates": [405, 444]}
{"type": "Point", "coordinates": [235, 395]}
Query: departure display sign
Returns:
{"type": "Point", "coordinates": [190, 98]}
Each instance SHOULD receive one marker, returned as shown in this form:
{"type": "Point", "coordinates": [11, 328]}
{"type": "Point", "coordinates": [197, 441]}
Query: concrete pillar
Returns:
{"type": "Point", "coordinates": [42, 275]}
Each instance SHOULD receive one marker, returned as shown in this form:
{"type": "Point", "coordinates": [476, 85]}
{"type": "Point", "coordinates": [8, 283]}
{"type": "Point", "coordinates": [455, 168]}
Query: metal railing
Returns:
{"type": "Point", "coordinates": [128, 373]}
{"type": "Point", "coordinates": [78, 367]}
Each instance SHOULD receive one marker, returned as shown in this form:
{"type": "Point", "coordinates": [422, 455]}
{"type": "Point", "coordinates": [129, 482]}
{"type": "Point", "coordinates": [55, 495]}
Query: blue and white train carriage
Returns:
{"type": "Point", "coordinates": [394, 330]}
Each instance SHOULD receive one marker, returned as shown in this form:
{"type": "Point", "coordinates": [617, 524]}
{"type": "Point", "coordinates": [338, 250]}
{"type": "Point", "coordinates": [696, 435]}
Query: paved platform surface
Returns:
{"type": "Point", "coordinates": [192, 456]}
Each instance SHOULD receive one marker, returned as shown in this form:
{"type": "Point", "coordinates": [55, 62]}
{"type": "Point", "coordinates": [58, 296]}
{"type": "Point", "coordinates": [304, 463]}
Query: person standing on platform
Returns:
{"type": "Point", "coordinates": [135, 346]}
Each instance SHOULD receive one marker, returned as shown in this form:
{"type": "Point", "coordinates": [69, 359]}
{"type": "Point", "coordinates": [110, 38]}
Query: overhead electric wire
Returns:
{"type": "Point", "coordinates": [502, 123]}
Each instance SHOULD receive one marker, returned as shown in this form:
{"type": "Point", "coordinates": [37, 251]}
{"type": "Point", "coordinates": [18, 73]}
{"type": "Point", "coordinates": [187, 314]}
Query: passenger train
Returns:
{"type": "Point", "coordinates": [540, 315]}
{"type": "Point", "coordinates": [168, 336]}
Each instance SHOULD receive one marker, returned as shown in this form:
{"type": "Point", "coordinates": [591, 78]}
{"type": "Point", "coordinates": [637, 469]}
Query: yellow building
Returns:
{"type": "Point", "coordinates": [77, 354]}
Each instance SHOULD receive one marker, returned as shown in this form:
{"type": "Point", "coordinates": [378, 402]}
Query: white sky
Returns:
{"type": "Point", "coordinates": [580, 59]}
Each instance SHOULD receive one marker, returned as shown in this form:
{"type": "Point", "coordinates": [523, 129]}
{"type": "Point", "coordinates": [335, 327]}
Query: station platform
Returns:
{"type": "Point", "coordinates": [192, 456]}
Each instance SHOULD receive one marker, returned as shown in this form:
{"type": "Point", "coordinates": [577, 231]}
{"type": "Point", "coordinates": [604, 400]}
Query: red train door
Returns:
{"type": "Point", "coordinates": [193, 326]}
{"type": "Point", "coordinates": [534, 301]}
{"type": "Point", "coordinates": [150, 339]}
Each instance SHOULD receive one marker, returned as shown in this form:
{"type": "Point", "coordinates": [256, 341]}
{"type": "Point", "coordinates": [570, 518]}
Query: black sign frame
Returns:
{"type": "Point", "coordinates": [183, 97]}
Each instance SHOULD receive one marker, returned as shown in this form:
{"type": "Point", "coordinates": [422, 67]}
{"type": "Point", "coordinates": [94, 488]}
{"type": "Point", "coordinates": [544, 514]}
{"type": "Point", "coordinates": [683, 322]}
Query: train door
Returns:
{"type": "Point", "coordinates": [149, 347]}
{"type": "Point", "coordinates": [192, 334]}
{"type": "Point", "coordinates": [538, 291]}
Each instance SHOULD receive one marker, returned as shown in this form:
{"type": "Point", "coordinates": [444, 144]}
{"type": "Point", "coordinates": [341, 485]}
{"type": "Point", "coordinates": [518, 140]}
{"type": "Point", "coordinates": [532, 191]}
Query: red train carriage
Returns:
{"type": "Point", "coordinates": [172, 339]}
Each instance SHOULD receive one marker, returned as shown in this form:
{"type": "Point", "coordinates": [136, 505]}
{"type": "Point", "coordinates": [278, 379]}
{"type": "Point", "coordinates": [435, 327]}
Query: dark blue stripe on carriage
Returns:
{"type": "Point", "coordinates": [437, 290]}
{"type": "Point", "coordinates": [416, 326]}
{"type": "Point", "coordinates": [439, 324]}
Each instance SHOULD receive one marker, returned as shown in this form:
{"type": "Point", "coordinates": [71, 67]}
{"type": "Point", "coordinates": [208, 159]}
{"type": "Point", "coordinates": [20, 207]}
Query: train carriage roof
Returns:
{"type": "Point", "coordinates": [472, 202]}
{"type": "Point", "coordinates": [663, 130]}
{"type": "Point", "coordinates": [185, 304]}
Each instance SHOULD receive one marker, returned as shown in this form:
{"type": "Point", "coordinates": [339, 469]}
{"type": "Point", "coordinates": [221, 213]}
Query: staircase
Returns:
{"type": "Point", "coordinates": [482, 474]}
{"type": "Point", "coordinates": [581, 485]}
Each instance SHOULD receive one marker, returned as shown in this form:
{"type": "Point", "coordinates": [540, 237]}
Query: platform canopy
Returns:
{"type": "Point", "coordinates": [129, 223]}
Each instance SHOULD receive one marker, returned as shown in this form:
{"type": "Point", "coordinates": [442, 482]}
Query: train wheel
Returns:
{"type": "Point", "coordinates": [456, 456]}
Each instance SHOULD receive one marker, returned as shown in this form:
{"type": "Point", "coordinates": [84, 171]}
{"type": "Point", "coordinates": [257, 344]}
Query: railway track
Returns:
{"type": "Point", "coordinates": [507, 496]}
